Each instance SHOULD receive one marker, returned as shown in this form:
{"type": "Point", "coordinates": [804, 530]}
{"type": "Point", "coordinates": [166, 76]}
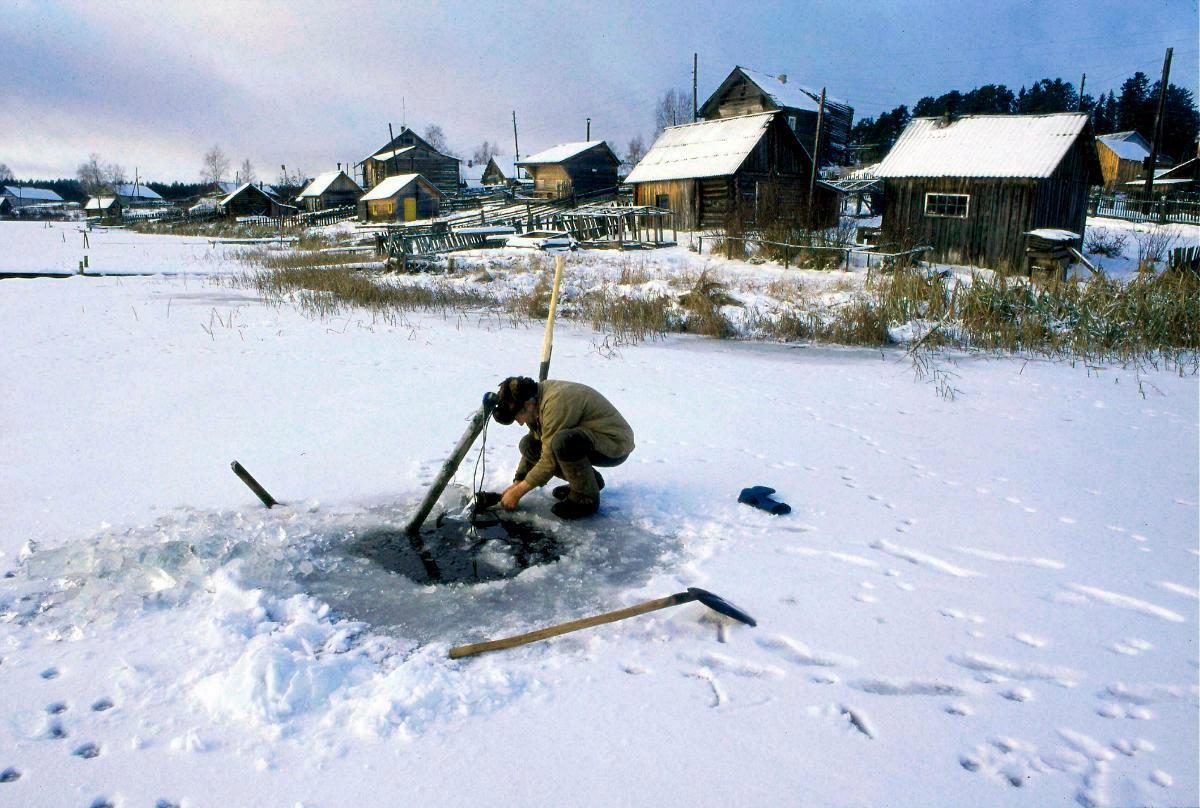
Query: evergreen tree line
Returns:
{"type": "Point", "coordinates": [1132, 107]}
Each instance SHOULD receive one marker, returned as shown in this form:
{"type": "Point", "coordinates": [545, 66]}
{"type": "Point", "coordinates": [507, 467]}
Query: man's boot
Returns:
{"type": "Point", "coordinates": [560, 491]}
{"type": "Point", "coordinates": [583, 495]}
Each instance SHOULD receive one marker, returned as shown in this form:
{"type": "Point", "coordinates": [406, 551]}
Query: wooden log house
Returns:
{"type": "Point", "coordinates": [972, 187]}
{"type": "Point", "coordinates": [581, 169]}
{"type": "Point", "coordinates": [703, 171]}
{"type": "Point", "coordinates": [251, 200]}
{"type": "Point", "coordinates": [401, 198]}
{"type": "Point", "coordinates": [106, 208]}
{"type": "Point", "coordinates": [332, 189]}
{"type": "Point", "coordinates": [745, 92]}
{"type": "Point", "coordinates": [1122, 157]}
{"type": "Point", "coordinates": [409, 153]}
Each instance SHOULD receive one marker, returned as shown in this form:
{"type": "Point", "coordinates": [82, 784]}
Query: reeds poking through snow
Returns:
{"type": "Point", "coordinates": [1148, 318]}
{"type": "Point", "coordinates": [325, 291]}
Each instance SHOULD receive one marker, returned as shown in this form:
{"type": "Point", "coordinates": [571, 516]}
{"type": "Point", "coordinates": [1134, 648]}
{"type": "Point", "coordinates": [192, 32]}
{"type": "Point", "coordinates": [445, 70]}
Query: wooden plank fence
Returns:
{"type": "Point", "coordinates": [1134, 207]}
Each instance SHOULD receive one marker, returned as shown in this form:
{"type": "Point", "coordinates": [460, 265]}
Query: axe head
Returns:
{"type": "Point", "coordinates": [720, 605]}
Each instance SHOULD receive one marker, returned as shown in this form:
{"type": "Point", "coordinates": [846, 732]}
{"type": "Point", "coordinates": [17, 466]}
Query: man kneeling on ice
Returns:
{"type": "Point", "coordinates": [571, 429]}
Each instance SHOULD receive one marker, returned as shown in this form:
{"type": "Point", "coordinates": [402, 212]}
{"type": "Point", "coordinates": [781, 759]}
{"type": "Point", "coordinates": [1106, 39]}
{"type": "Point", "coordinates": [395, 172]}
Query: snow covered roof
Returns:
{"type": "Point", "coordinates": [322, 182]}
{"type": "Point", "coordinates": [1026, 146]}
{"type": "Point", "coordinates": [1125, 149]}
{"type": "Point", "coordinates": [559, 153]}
{"type": "Point", "coordinates": [394, 185]}
{"type": "Point", "coordinates": [100, 203]}
{"type": "Point", "coordinates": [25, 192]}
{"type": "Point", "coordinates": [263, 190]}
{"type": "Point", "coordinates": [388, 154]}
{"type": "Point", "coordinates": [136, 190]}
{"type": "Point", "coordinates": [229, 187]}
{"type": "Point", "coordinates": [789, 94]}
{"type": "Point", "coordinates": [702, 149]}
{"type": "Point", "coordinates": [1054, 234]}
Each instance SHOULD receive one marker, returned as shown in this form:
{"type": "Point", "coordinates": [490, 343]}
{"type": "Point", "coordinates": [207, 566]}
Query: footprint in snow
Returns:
{"type": "Point", "coordinates": [55, 708]}
{"type": "Point", "coordinates": [87, 751]}
{"type": "Point", "coordinates": [55, 731]}
{"type": "Point", "coordinates": [49, 673]}
{"type": "Point", "coordinates": [102, 705]}
{"type": "Point", "coordinates": [164, 803]}
{"type": "Point", "coordinates": [102, 802]}
{"type": "Point", "coordinates": [10, 775]}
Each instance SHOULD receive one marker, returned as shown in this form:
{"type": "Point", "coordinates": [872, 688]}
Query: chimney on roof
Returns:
{"type": "Point", "coordinates": [783, 78]}
{"type": "Point", "coordinates": [339, 166]}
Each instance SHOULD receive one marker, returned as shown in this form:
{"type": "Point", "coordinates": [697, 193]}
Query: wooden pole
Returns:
{"type": "Point", "coordinates": [516, 145]}
{"type": "Point", "coordinates": [695, 64]}
{"type": "Point", "coordinates": [548, 338]}
{"type": "Point", "coordinates": [816, 157]}
{"type": "Point", "coordinates": [574, 625]}
{"type": "Point", "coordinates": [1082, 84]}
{"type": "Point", "coordinates": [1158, 125]}
{"type": "Point", "coordinates": [452, 463]}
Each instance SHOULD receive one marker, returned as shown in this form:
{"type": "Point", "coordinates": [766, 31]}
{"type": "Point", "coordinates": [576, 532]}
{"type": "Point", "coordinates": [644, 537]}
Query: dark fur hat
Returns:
{"type": "Point", "coordinates": [514, 392]}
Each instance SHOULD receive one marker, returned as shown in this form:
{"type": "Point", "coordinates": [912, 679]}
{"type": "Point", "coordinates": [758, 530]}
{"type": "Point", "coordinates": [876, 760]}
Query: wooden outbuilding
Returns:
{"type": "Point", "coordinates": [107, 208]}
{"type": "Point", "coordinates": [1122, 157]}
{"type": "Point", "coordinates": [583, 169]}
{"type": "Point", "coordinates": [703, 171]}
{"type": "Point", "coordinates": [745, 92]}
{"type": "Point", "coordinates": [409, 153]}
{"type": "Point", "coordinates": [251, 200]}
{"type": "Point", "coordinates": [972, 187]}
{"type": "Point", "coordinates": [333, 189]}
{"type": "Point", "coordinates": [402, 198]}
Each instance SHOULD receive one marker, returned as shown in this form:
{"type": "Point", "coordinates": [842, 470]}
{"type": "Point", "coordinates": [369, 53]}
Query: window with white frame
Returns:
{"type": "Point", "coordinates": [951, 206]}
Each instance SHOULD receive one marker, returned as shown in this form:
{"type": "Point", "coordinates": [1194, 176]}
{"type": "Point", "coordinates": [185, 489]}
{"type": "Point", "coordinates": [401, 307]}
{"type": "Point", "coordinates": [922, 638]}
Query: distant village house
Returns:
{"type": "Point", "coordinates": [401, 198]}
{"type": "Point", "coordinates": [973, 187]}
{"type": "Point", "coordinates": [497, 172]}
{"type": "Point", "coordinates": [251, 200]}
{"type": "Point", "coordinates": [409, 153]}
{"type": "Point", "coordinates": [137, 194]}
{"type": "Point", "coordinates": [19, 196]}
{"type": "Point", "coordinates": [333, 189]}
{"type": "Point", "coordinates": [106, 208]}
{"type": "Point", "coordinates": [1123, 157]}
{"type": "Point", "coordinates": [573, 169]}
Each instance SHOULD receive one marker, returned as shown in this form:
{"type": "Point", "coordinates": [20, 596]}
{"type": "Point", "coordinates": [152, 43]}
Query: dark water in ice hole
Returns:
{"type": "Point", "coordinates": [449, 550]}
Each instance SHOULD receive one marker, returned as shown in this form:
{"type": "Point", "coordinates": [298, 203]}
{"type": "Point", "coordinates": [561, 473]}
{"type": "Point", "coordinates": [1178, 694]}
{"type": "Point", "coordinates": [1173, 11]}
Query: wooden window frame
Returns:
{"type": "Point", "coordinates": [942, 203]}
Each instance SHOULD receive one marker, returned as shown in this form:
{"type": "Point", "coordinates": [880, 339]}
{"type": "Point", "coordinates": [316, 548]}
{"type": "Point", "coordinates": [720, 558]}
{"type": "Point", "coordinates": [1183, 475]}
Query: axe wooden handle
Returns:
{"type": "Point", "coordinates": [574, 625]}
{"type": "Point", "coordinates": [548, 339]}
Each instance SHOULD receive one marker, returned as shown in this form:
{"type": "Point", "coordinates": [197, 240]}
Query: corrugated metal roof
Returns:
{"type": "Point", "coordinates": [26, 192]}
{"type": "Point", "coordinates": [1125, 149]}
{"type": "Point", "coordinates": [703, 149]}
{"type": "Point", "coordinates": [136, 190]}
{"type": "Point", "coordinates": [1025, 146]}
{"type": "Point", "coordinates": [322, 182]}
{"type": "Point", "coordinates": [394, 185]}
{"type": "Point", "coordinates": [563, 151]}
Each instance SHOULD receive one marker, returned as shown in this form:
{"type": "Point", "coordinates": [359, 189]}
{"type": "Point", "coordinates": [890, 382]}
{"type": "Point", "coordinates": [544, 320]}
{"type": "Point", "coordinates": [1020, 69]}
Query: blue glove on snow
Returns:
{"type": "Point", "coordinates": [759, 496]}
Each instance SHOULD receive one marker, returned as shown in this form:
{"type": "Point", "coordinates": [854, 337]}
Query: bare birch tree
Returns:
{"type": "Point", "coordinates": [6, 174]}
{"type": "Point", "coordinates": [215, 165]}
{"type": "Point", "coordinates": [672, 108]}
{"type": "Point", "coordinates": [246, 174]}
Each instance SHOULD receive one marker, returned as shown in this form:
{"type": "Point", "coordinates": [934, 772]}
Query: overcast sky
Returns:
{"type": "Point", "coordinates": [152, 85]}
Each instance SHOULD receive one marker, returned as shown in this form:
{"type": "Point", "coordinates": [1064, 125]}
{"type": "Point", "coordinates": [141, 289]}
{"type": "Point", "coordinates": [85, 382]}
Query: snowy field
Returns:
{"type": "Point", "coordinates": [986, 601]}
{"type": "Point", "coordinates": [56, 248]}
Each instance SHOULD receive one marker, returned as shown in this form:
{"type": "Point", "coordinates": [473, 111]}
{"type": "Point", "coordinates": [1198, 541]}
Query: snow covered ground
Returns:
{"type": "Point", "coordinates": [56, 248]}
{"type": "Point", "coordinates": [984, 601]}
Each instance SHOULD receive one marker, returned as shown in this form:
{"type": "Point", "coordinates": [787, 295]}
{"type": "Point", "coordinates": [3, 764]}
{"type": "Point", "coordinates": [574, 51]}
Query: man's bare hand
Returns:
{"type": "Point", "coordinates": [512, 495]}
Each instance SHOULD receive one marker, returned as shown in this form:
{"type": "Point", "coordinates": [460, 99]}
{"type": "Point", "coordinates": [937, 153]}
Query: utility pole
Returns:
{"type": "Point", "coordinates": [392, 146]}
{"type": "Point", "coordinates": [695, 64]}
{"type": "Point", "coordinates": [816, 155]}
{"type": "Point", "coordinates": [1158, 126]}
{"type": "Point", "coordinates": [588, 136]}
{"type": "Point", "coordinates": [1082, 83]}
{"type": "Point", "coordinates": [516, 146]}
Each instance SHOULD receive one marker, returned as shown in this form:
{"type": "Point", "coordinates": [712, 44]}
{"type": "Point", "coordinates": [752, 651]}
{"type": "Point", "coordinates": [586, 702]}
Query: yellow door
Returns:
{"type": "Point", "coordinates": [410, 208]}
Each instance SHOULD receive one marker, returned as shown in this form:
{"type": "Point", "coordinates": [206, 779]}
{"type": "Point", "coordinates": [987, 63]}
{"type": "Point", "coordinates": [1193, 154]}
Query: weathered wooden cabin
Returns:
{"type": "Point", "coordinates": [332, 189]}
{"type": "Point", "coordinates": [409, 153]}
{"type": "Point", "coordinates": [745, 91]}
{"type": "Point", "coordinates": [1122, 157]}
{"type": "Point", "coordinates": [1183, 178]}
{"type": "Point", "coordinates": [251, 200]}
{"type": "Point", "coordinates": [704, 171]}
{"type": "Point", "coordinates": [106, 208]}
{"type": "Point", "coordinates": [972, 187]}
{"type": "Point", "coordinates": [401, 198]}
{"type": "Point", "coordinates": [573, 169]}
